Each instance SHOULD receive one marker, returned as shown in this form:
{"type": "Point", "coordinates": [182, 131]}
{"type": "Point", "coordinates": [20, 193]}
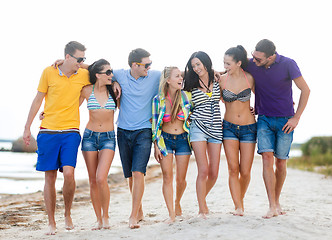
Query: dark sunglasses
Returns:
{"type": "Point", "coordinates": [146, 65]}
{"type": "Point", "coordinates": [108, 72]}
{"type": "Point", "coordinates": [80, 59]}
{"type": "Point", "coordinates": [257, 59]}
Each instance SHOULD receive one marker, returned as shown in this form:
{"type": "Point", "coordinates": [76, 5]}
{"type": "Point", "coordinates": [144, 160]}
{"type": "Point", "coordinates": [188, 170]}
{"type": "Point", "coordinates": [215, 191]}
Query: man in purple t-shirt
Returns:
{"type": "Point", "coordinates": [273, 76]}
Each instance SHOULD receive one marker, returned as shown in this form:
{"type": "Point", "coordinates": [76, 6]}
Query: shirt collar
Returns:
{"type": "Point", "coordinates": [62, 74]}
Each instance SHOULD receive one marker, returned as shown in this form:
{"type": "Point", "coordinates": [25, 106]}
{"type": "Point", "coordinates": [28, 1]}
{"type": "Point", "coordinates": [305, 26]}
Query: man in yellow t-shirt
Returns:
{"type": "Point", "coordinates": [59, 137]}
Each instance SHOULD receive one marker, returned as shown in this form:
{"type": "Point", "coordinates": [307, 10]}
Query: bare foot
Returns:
{"type": "Point", "coordinates": [133, 223]}
{"type": "Point", "coordinates": [106, 223]}
{"type": "Point", "coordinates": [280, 211]}
{"type": "Point", "coordinates": [51, 230]}
{"type": "Point", "coordinates": [238, 212]}
{"type": "Point", "coordinates": [140, 215]}
{"type": "Point", "coordinates": [97, 226]}
{"type": "Point", "coordinates": [271, 213]}
{"type": "Point", "coordinates": [169, 220]}
{"type": "Point", "coordinates": [178, 209]}
{"type": "Point", "coordinates": [202, 215]}
{"type": "Point", "coordinates": [69, 223]}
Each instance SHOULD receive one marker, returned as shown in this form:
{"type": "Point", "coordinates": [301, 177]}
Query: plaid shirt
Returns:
{"type": "Point", "coordinates": [158, 111]}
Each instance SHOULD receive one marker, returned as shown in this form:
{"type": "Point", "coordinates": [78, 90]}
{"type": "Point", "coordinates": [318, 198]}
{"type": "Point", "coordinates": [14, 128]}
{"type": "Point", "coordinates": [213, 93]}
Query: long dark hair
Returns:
{"type": "Point", "coordinates": [97, 67]}
{"type": "Point", "coordinates": [238, 53]}
{"type": "Point", "coordinates": [191, 79]}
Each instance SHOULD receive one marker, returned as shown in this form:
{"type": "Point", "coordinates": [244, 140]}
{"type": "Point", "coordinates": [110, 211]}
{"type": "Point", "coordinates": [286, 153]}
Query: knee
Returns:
{"type": "Point", "coordinates": [281, 165]}
{"type": "Point", "coordinates": [100, 180]}
{"type": "Point", "coordinates": [181, 181]}
{"type": "Point", "coordinates": [68, 176]}
{"type": "Point", "coordinates": [203, 173]}
{"type": "Point", "coordinates": [213, 175]}
{"type": "Point", "coordinates": [233, 171]}
{"type": "Point", "coordinates": [167, 178]}
{"type": "Point", "coordinates": [245, 174]}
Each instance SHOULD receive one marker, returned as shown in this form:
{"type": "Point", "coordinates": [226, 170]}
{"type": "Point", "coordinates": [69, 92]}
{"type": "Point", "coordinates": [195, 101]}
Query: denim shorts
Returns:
{"type": "Point", "coordinates": [177, 144]}
{"type": "Point", "coordinates": [96, 141]}
{"type": "Point", "coordinates": [196, 135]}
{"type": "Point", "coordinates": [56, 150]}
{"type": "Point", "coordinates": [135, 149]}
{"type": "Point", "coordinates": [241, 133]}
{"type": "Point", "coordinates": [271, 138]}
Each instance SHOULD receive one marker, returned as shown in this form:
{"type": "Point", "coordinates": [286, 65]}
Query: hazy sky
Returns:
{"type": "Point", "coordinates": [34, 33]}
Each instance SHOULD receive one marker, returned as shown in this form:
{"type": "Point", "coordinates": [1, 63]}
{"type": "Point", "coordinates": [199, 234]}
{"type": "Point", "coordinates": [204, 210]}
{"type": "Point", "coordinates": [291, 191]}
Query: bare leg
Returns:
{"type": "Point", "coordinates": [91, 161]}
{"type": "Point", "coordinates": [213, 150]}
{"type": "Point", "coordinates": [167, 169]}
{"type": "Point", "coordinates": [68, 194]}
{"type": "Point", "coordinates": [247, 151]}
{"type": "Point", "coordinates": [281, 171]}
{"type": "Point", "coordinates": [105, 158]}
{"type": "Point", "coordinates": [203, 169]}
{"type": "Point", "coordinates": [231, 148]}
{"type": "Point", "coordinates": [270, 183]}
{"type": "Point", "coordinates": [137, 195]}
{"type": "Point", "coordinates": [182, 162]}
{"type": "Point", "coordinates": [50, 200]}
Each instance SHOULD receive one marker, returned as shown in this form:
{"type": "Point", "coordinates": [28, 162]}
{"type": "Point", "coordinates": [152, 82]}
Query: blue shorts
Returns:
{"type": "Point", "coordinates": [135, 149]}
{"type": "Point", "coordinates": [177, 144]}
{"type": "Point", "coordinates": [271, 138]}
{"type": "Point", "coordinates": [196, 135]}
{"type": "Point", "coordinates": [56, 150]}
{"type": "Point", "coordinates": [96, 141]}
{"type": "Point", "coordinates": [241, 133]}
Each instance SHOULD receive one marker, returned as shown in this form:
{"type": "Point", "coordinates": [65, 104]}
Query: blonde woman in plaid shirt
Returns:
{"type": "Point", "coordinates": [170, 128]}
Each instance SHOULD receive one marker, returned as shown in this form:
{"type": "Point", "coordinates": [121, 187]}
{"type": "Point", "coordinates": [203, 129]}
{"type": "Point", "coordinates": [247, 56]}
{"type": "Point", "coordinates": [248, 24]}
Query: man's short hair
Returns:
{"type": "Point", "coordinates": [136, 55]}
{"type": "Point", "coordinates": [266, 46]}
{"type": "Point", "coordinates": [72, 46]}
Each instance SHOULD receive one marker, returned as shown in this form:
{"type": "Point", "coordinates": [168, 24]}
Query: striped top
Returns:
{"type": "Point", "coordinates": [93, 104]}
{"type": "Point", "coordinates": [206, 113]}
{"type": "Point", "coordinates": [242, 96]}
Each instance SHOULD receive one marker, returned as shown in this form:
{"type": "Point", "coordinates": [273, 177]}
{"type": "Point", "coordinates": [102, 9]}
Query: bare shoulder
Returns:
{"type": "Point", "coordinates": [249, 77]}
{"type": "Point", "coordinates": [222, 79]}
{"type": "Point", "coordinates": [86, 91]}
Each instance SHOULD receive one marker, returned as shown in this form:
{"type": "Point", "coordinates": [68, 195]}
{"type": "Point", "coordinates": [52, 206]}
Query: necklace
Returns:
{"type": "Point", "coordinates": [206, 87]}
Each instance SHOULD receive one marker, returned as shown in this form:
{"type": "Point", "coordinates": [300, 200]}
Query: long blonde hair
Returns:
{"type": "Point", "coordinates": [163, 88]}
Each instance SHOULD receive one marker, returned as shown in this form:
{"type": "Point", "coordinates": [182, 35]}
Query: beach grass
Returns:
{"type": "Point", "coordinates": [316, 156]}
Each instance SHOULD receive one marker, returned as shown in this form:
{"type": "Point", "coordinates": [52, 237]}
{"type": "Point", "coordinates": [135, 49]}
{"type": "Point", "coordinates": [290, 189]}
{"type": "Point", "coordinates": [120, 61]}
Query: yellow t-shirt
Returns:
{"type": "Point", "coordinates": [62, 98]}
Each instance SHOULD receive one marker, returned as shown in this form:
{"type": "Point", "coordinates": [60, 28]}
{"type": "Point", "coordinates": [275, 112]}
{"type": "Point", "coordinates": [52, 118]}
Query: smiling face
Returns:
{"type": "Point", "coordinates": [198, 67]}
{"type": "Point", "coordinates": [175, 79]}
{"type": "Point", "coordinates": [103, 77]}
{"type": "Point", "coordinates": [230, 65]}
{"type": "Point", "coordinates": [260, 59]}
{"type": "Point", "coordinates": [140, 69]}
{"type": "Point", "coordinates": [74, 59]}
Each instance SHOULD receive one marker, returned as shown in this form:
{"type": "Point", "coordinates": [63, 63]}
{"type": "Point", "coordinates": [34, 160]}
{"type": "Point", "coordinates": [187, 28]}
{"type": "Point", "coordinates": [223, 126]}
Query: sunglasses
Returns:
{"type": "Point", "coordinates": [108, 72]}
{"type": "Point", "coordinates": [146, 65]}
{"type": "Point", "coordinates": [257, 59]}
{"type": "Point", "coordinates": [80, 59]}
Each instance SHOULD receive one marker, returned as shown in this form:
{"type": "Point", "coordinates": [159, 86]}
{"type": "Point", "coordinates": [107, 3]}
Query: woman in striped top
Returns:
{"type": "Point", "coordinates": [98, 144]}
{"type": "Point", "coordinates": [206, 124]}
{"type": "Point", "coordinates": [239, 125]}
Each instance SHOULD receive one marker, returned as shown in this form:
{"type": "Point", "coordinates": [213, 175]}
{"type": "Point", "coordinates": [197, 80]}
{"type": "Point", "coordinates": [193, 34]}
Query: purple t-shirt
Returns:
{"type": "Point", "coordinates": [273, 87]}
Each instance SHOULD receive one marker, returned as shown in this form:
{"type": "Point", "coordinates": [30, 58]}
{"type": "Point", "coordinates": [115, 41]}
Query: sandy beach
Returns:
{"type": "Point", "coordinates": [306, 197]}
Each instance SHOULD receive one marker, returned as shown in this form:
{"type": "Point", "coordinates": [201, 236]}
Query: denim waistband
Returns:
{"type": "Point", "coordinates": [236, 126]}
{"type": "Point", "coordinates": [174, 136]}
{"type": "Point", "coordinates": [110, 133]}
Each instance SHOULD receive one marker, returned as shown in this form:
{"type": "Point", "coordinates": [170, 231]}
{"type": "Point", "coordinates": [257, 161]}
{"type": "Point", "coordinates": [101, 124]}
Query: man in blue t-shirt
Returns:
{"type": "Point", "coordinates": [139, 85]}
{"type": "Point", "coordinates": [273, 76]}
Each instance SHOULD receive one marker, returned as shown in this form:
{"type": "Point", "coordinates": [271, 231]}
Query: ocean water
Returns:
{"type": "Point", "coordinates": [18, 174]}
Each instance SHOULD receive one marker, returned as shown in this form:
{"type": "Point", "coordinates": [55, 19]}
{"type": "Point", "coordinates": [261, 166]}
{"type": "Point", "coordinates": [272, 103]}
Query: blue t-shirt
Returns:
{"type": "Point", "coordinates": [273, 87]}
{"type": "Point", "coordinates": [136, 98]}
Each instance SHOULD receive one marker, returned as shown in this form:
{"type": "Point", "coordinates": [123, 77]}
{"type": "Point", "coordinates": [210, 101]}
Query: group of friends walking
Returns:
{"type": "Point", "coordinates": [176, 111]}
